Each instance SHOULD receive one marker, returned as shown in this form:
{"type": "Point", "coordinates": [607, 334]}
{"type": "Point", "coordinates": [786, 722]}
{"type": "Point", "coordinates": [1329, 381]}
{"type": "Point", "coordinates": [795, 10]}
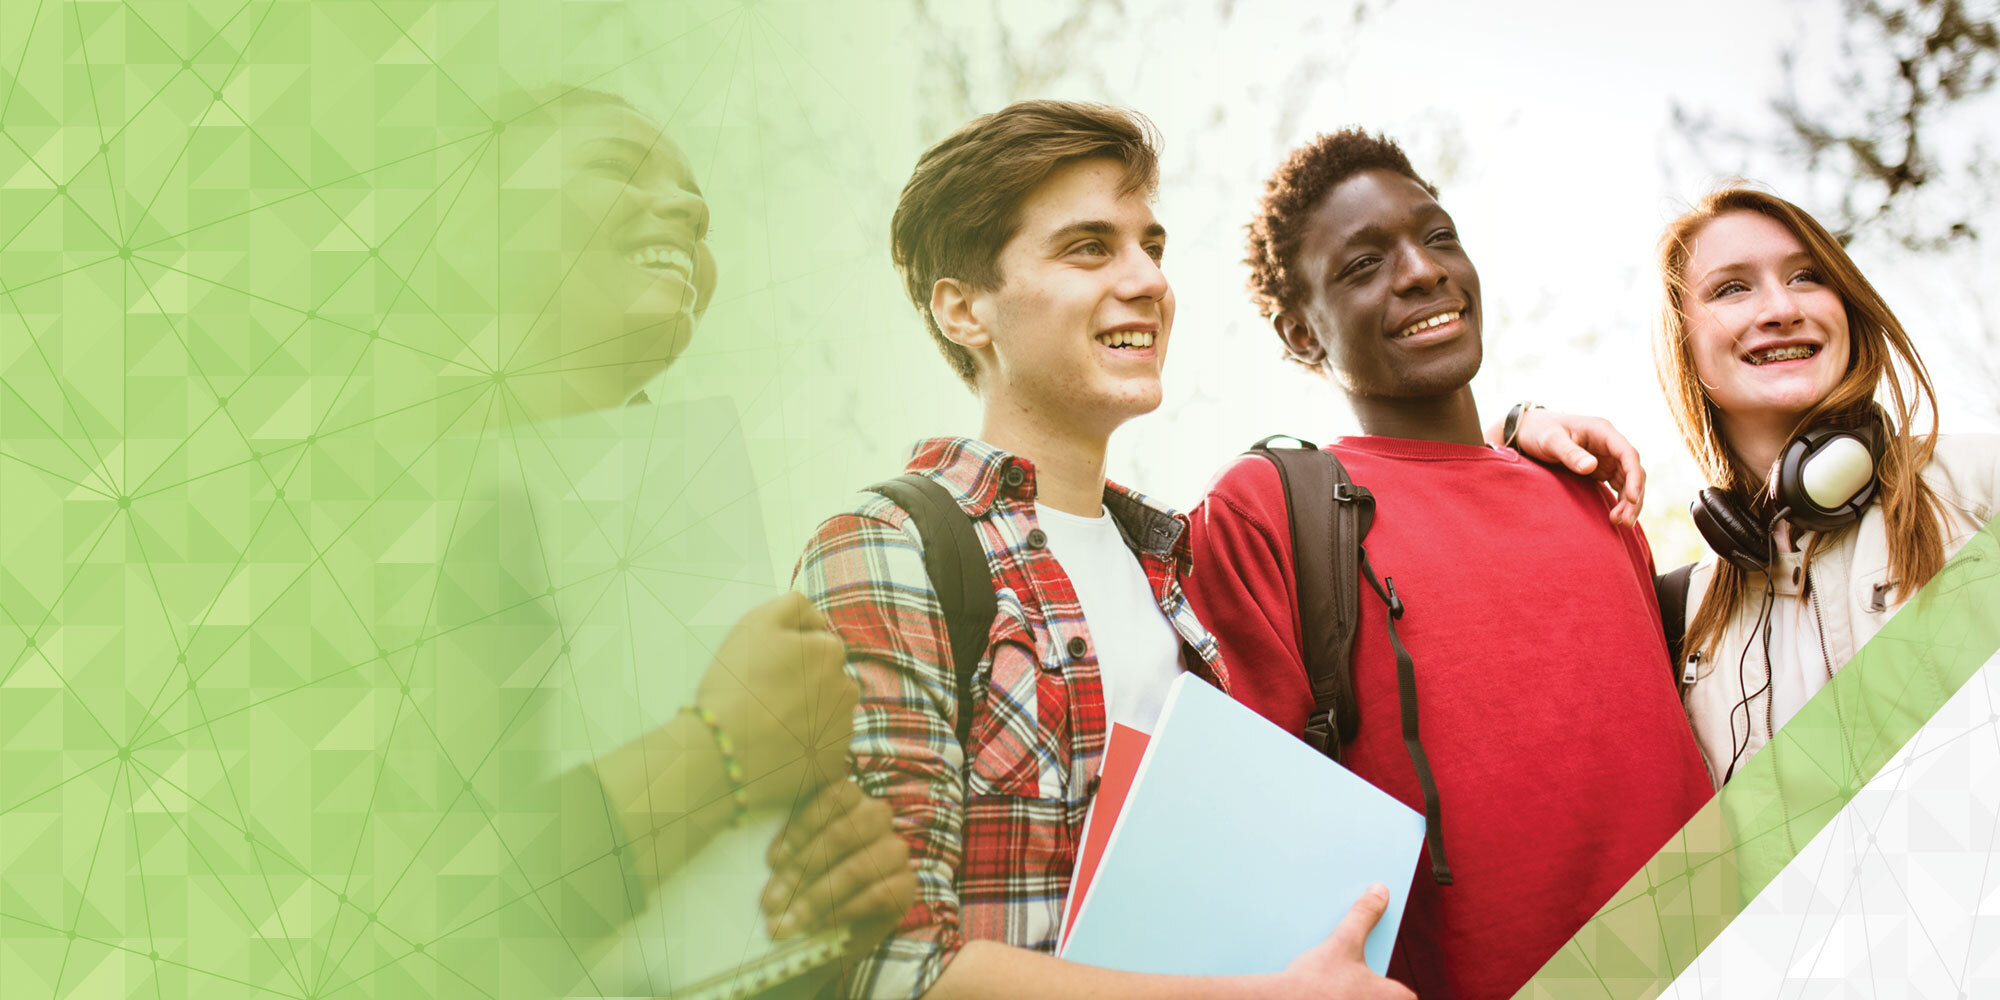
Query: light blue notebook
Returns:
{"type": "Point", "coordinates": [1239, 848]}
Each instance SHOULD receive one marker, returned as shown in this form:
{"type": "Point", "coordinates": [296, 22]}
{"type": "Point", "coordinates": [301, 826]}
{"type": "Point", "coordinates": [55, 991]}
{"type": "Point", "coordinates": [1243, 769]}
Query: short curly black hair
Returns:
{"type": "Point", "coordinates": [1291, 194]}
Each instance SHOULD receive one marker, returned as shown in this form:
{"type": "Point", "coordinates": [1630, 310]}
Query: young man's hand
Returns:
{"type": "Point", "coordinates": [779, 689]}
{"type": "Point", "coordinates": [1334, 968]}
{"type": "Point", "coordinates": [1587, 446]}
{"type": "Point", "coordinates": [839, 861]}
{"type": "Point", "coordinates": [1330, 970]}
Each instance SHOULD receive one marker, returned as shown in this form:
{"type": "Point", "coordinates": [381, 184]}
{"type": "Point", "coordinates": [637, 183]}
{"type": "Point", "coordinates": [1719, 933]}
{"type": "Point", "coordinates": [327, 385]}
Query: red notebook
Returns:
{"type": "Point", "coordinates": [1123, 750]}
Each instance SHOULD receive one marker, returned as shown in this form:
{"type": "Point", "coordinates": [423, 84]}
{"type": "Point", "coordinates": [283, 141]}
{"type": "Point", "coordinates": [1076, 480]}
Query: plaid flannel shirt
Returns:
{"type": "Point", "coordinates": [992, 843]}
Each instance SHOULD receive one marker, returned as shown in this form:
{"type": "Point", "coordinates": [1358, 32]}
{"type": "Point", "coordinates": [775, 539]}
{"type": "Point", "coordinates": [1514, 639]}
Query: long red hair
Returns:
{"type": "Point", "coordinates": [1881, 355]}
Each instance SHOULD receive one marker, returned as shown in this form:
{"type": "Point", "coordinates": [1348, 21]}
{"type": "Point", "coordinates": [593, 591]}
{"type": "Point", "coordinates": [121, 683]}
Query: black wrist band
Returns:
{"type": "Point", "coordinates": [1512, 426]}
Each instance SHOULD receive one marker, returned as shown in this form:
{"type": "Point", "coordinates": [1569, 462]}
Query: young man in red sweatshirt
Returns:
{"type": "Point", "coordinates": [1560, 755]}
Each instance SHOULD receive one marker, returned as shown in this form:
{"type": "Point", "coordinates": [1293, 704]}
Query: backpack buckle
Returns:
{"type": "Point", "coordinates": [1345, 493]}
{"type": "Point", "coordinates": [1395, 603]}
{"type": "Point", "coordinates": [1319, 732]}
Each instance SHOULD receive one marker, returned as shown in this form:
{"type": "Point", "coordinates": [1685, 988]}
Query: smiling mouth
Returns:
{"type": "Point", "coordinates": [1135, 340]}
{"type": "Point", "coordinates": [662, 258]}
{"type": "Point", "coordinates": [1776, 354]}
{"type": "Point", "coordinates": [1426, 324]}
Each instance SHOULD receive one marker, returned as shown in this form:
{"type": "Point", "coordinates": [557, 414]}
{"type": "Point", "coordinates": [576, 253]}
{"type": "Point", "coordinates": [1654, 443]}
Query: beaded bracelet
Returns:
{"type": "Point", "coordinates": [731, 767]}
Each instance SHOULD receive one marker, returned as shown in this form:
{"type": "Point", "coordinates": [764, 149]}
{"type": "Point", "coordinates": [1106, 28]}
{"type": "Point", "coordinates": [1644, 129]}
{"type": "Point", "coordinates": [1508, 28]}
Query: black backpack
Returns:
{"type": "Point", "coordinates": [956, 563]}
{"type": "Point", "coordinates": [1328, 557]}
{"type": "Point", "coordinates": [1330, 560]}
{"type": "Point", "coordinates": [1330, 515]}
{"type": "Point", "coordinates": [1671, 590]}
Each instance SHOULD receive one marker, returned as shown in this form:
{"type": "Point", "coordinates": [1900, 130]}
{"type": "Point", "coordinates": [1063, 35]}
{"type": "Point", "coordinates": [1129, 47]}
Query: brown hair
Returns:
{"type": "Point", "coordinates": [962, 204]}
{"type": "Point", "coordinates": [1292, 193]}
{"type": "Point", "coordinates": [1879, 347]}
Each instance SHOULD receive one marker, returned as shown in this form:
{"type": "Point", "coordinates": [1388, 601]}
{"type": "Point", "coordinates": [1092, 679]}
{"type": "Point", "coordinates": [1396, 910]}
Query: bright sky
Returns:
{"type": "Point", "coordinates": [1547, 126]}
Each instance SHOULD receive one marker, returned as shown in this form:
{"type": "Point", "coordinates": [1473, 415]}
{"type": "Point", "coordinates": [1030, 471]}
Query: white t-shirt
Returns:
{"type": "Point", "coordinates": [1138, 651]}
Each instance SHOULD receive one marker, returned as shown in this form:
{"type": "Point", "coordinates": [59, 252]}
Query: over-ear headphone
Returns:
{"type": "Point", "coordinates": [1823, 480]}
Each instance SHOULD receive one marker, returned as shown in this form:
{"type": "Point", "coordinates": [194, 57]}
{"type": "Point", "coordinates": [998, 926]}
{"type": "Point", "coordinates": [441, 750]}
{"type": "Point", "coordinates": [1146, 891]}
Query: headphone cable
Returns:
{"type": "Point", "coordinates": [1762, 626]}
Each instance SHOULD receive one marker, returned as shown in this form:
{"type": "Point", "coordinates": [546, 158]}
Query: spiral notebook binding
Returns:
{"type": "Point", "coordinates": [788, 961]}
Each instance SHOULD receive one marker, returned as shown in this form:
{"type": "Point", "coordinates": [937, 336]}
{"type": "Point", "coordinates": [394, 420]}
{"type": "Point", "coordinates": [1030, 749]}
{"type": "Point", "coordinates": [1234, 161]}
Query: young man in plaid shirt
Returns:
{"type": "Point", "coordinates": [1028, 242]}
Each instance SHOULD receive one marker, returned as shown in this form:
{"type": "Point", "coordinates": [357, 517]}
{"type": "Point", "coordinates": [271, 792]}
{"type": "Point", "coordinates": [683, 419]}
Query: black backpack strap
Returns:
{"type": "Point", "coordinates": [1326, 539]}
{"type": "Point", "coordinates": [1330, 516]}
{"type": "Point", "coordinates": [1671, 590]}
{"type": "Point", "coordinates": [956, 563]}
{"type": "Point", "coordinates": [1406, 696]}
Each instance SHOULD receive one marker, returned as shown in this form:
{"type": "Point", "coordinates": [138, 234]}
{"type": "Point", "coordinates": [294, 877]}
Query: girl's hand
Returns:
{"type": "Point", "coordinates": [839, 861]}
{"type": "Point", "coordinates": [779, 687]}
{"type": "Point", "coordinates": [1587, 446]}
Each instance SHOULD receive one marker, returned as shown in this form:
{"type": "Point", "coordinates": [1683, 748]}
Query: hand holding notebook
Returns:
{"type": "Point", "coordinates": [1237, 850]}
{"type": "Point", "coordinates": [703, 936]}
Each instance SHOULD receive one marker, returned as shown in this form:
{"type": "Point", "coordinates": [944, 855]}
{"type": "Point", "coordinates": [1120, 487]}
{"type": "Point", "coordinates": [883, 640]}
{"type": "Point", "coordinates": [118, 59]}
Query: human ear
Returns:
{"type": "Point", "coordinates": [952, 310]}
{"type": "Point", "coordinates": [1300, 342]}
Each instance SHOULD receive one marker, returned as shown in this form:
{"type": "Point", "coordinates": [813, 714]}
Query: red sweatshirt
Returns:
{"type": "Point", "coordinates": [1562, 758]}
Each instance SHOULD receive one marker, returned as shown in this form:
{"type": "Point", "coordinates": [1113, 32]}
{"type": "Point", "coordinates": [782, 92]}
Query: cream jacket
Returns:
{"type": "Point", "coordinates": [1855, 598]}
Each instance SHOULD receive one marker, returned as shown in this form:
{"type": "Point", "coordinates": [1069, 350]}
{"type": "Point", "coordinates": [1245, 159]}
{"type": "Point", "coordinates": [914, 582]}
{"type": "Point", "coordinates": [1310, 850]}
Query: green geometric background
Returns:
{"type": "Point", "coordinates": [297, 617]}
{"type": "Point", "coordinates": [295, 613]}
